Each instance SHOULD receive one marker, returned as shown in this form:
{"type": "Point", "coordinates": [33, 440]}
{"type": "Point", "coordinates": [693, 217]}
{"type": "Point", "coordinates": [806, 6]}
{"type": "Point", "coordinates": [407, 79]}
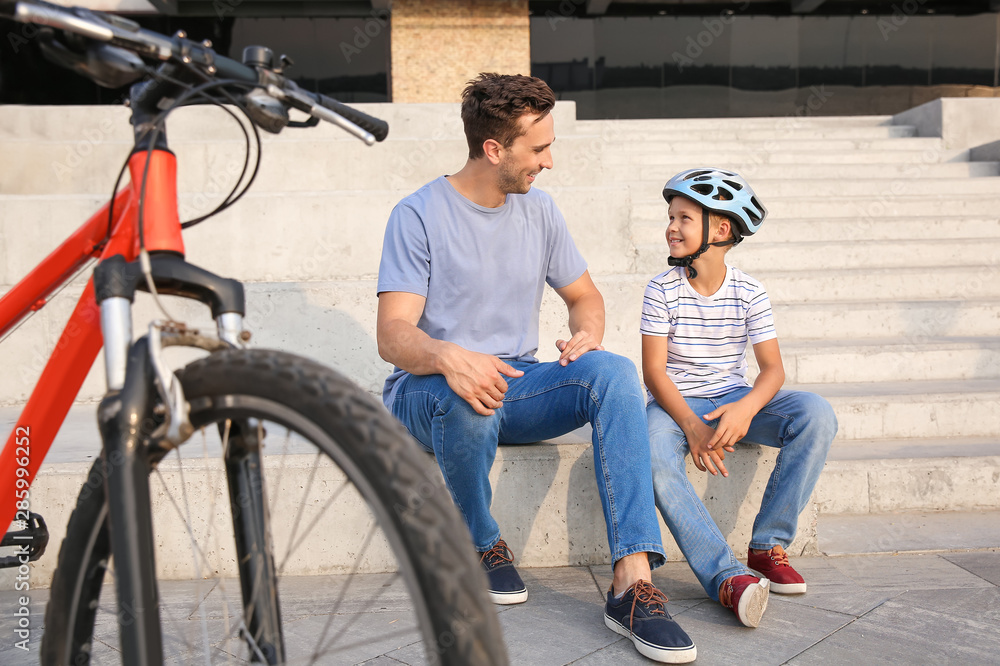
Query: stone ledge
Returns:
{"type": "Point", "coordinates": [545, 499]}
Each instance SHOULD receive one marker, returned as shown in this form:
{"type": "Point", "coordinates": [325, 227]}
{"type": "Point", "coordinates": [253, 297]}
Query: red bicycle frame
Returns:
{"type": "Point", "coordinates": [81, 339]}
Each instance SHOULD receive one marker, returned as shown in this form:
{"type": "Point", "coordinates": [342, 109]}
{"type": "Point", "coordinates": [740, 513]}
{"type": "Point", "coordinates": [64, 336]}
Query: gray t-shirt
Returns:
{"type": "Point", "coordinates": [482, 270]}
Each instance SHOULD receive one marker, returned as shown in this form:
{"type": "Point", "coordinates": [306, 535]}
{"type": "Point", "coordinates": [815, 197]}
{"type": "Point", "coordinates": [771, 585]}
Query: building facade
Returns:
{"type": "Point", "coordinates": [615, 59]}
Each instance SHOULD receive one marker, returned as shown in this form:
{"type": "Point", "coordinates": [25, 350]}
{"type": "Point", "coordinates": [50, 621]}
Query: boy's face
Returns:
{"type": "Point", "coordinates": [684, 230]}
{"type": "Point", "coordinates": [528, 155]}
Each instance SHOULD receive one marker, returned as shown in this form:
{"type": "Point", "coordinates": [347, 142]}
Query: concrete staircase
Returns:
{"type": "Point", "coordinates": [881, 257]}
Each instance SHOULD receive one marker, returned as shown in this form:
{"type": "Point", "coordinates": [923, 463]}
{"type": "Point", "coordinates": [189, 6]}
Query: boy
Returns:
{"type": "Point", "coordinates": [696, 321]}
{"type": "Point", "coordinates": [464, 266]}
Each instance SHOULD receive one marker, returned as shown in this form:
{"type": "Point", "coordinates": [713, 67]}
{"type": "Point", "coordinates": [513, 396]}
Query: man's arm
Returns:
{"type": "Point", "coordinates": [586, 318]}
{"type": "Point", "coordinates": [697, 432]}
{"type": "Point", "coordinates": [476, 378]}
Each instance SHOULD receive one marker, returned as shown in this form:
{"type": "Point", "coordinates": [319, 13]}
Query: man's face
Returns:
{"type": "Point", "coordinates": [529, 154]}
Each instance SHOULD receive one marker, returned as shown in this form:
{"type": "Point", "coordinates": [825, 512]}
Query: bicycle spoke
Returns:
{"type": "Point", "coordinates": [333, 498]}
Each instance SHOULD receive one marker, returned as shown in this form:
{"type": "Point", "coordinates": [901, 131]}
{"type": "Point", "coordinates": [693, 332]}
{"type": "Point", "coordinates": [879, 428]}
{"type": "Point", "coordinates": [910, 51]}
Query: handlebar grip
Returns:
{"type": "Point", "coordinates": [228, 68]}
{"type": "Point", "coordinates": [378, 128]}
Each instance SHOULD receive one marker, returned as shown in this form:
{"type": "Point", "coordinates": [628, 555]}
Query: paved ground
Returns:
{"type": "Point", "coordinates": [941, 607]}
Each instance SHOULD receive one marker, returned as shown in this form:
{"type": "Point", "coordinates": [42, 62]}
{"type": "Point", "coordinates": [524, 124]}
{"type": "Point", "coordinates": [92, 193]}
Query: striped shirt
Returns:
{"type": "Point", "coordinates": [708, 335]}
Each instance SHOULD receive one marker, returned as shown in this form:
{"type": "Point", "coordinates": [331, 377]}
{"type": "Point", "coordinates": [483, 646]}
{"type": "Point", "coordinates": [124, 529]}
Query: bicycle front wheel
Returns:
{"type": "Point", "coordinates": [344, 492]}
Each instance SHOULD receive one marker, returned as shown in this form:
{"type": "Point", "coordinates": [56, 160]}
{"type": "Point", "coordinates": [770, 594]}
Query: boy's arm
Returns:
{"type": "Point", "coordinates": [734, 418]}
{"type": "Point", "coordinates": [698, 434]}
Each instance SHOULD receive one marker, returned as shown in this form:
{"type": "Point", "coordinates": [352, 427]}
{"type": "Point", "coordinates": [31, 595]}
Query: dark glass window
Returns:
{"type": "Point", "coordinates": [345, 58]}
{"type": "Point", "coordinates": [733, 64]}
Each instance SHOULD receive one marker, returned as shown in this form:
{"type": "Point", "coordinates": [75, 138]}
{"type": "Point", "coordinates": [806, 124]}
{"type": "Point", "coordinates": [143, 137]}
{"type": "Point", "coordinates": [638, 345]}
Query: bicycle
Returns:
{"type": "Point", "coordinates": [234, 398]}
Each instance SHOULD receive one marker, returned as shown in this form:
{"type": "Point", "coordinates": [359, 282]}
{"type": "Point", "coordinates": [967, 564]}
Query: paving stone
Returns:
{"type": "Point", "coordinates": [908, 531]}
{"type": "Point", "coordinates": [898, 633]}
{"type": "Point", "coordinates": [830, 589]}
{"type": "Point", "coordinates": [979, 605]}
{"type": "Point", "coordinates": [10, 654]}
{"type": "Point", "coordinates": [619, 652]}
{"type": "Point", "coordinates": [906, 572]}
{"type": "Point", "coordinates": [546, 585]}
{"type": "Point", "coordinates": [985, 564]}
{"type": "Point", "coordinates": [786, 630]}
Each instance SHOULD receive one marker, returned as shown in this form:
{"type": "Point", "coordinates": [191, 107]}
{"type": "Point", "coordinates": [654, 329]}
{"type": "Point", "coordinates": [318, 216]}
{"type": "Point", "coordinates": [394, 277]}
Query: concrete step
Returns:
{"type": "Point", "coordinates": [206, 123]}
{"type": "Point", "coordinates": [768, 188]}
{"type": "Point", "coordinates": [656, 169]}
{"type": "Point", "coordinates": [683, 146]}
{"type": "Point", "coordinates": [334, 323]}
{"type": "Point", "coordinates": [868, 209]}
{"type": "Point", "coordinates": [624, 132]}
{"type": "Point", "coordinates": [832, 230]}
{"type": "Point", "coordinates": [784, 123]}
{"type": "Point", "coordinates": [913, 409]}
{"type": "Point", "coordinates": [864, 320]}
{"type": "Point", "coordinates": [920, 474]}
{"type": "Point", "coordinates": [929, 531]}
{"type": "Point", "coordinates": [846, 290]}
{"type": "Point", "coordinates": [888, 284]}
{"type": "Point", "coordinates": [300, 165]}
{"type": "Point", "coordinates": [297, 236]}
{"type": "Point", "coordinates": [746, 160]}
{"type": "Point", "coordinates": [754, 257]}
{"type": "Point", "coordinates": [894, 359]}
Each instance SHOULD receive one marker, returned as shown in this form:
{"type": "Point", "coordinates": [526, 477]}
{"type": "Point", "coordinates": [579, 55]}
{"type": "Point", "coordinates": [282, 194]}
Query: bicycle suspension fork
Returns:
{"type": "Point", "coordinates": [135, 439]}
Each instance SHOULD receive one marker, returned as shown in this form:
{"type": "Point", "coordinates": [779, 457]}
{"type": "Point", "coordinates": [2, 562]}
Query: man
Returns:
{"type": "Point", "coordinates": [464, 266]}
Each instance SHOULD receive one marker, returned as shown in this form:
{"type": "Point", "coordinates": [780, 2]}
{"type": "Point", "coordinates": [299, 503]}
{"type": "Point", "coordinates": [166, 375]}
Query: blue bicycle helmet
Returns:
{"type": "Point", "coordinates": [718, 191]}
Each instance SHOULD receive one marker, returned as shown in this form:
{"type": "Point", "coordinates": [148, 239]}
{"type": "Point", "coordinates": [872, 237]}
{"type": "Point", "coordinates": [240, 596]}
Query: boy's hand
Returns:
{"type": "Point", "coordinates": [572, 349]}
{"type": "Point", "coordinates": [705, 459]}
{"type": "Point", "coordinates": [734, 422]}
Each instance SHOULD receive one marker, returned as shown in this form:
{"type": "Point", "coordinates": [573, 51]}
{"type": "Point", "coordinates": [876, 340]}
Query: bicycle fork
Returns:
{"type": "Point", "coordinates": [135, 439]}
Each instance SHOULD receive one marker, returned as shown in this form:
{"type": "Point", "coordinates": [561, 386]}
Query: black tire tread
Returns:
{"type": "Point", "coordinates": [435, 538]}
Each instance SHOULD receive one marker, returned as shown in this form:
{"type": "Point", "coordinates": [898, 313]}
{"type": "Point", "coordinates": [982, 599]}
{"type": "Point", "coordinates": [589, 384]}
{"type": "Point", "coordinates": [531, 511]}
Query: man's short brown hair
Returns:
{"type": "Point", "coordinates": [492, 106]}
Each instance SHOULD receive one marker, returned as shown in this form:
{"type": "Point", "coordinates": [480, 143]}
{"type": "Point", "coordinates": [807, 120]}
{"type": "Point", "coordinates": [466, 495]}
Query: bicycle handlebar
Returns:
{"type": "Point", "coordinates": [126, 34]}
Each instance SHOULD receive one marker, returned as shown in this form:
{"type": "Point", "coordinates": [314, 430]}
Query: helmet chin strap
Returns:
{"type": "Point", "coordinates": [687, 261]}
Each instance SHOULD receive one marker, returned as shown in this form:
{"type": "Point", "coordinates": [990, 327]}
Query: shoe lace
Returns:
{"type": "Point", "coordinates": [645, 593]}
{"type": "Point", "coordinates": [497, 554]}
{"type": "Point", "coordinates": [779, 556]}
{"type": "Point", "coordinates": [726, 594]}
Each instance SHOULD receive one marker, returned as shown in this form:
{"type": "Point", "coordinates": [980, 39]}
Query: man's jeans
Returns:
{"type": "Point", "coordinates": [801, 424]}
{"type": "Point", "coordinates": [547, 401]}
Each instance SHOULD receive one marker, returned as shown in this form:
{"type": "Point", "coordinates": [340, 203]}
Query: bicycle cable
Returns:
{"type": "Point", "coordinates": [159, 122]}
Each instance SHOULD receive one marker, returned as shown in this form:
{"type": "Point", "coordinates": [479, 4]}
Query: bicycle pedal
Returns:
{"type": "Point", "coordinates": [30, 541]}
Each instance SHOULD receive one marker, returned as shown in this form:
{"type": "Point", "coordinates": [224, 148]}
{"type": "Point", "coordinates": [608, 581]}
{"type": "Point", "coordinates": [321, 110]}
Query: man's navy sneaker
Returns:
{"type": "Point", "coordinates": [506, 587]}
{"type": "Point", "coordinates": [640, 615]}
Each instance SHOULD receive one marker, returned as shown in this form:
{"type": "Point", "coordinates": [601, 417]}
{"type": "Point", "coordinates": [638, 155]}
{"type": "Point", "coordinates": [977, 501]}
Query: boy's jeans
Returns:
{"type": "Point", "coordinates": [801, 424]}
{"type": "Point", "coordinates": [547, 401]}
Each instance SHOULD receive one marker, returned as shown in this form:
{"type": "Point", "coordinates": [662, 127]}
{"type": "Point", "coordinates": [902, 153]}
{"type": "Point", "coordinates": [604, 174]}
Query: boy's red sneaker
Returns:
{"type": "Point", "coordinates": [773, 565]}
{"type": "Point", "coordinates": [746, 596]}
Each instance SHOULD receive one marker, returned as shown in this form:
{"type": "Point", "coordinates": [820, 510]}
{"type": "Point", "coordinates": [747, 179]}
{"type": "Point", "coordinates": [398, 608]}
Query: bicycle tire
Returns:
{"type": "Point", "coordinates": [430, 542]}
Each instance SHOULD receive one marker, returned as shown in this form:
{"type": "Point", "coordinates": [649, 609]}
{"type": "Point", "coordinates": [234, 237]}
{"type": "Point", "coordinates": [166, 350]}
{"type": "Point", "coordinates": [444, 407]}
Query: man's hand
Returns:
{"type": "Point", "coordinates": [734, 422]}
{"type": "Point", "coordinates": [478, 379]}
{"type": "Point", "coordinates": [572, 349]}
{"type": "Point", "coordinates": [705, 459]}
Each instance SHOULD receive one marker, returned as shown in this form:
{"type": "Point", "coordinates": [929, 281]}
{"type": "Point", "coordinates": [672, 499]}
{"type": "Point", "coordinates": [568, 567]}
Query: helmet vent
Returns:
{"type": "Point", "coordinates": [696, 175]}
{"type": "Point", "coordinates": [723, 195]}
{"type": "Point", "coordinates": [703, 189]}
{"type": "Point", "coordinates": [733, 184]}
{"type": "Point", "coordinates": [752, 215]}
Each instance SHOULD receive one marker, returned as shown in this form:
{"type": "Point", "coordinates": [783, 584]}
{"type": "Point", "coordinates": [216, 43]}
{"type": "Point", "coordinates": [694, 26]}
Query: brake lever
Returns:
{"type": "Point", "coordinates": [312, 122]}
{"type": "Point", "coordinates": [303, 103]}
